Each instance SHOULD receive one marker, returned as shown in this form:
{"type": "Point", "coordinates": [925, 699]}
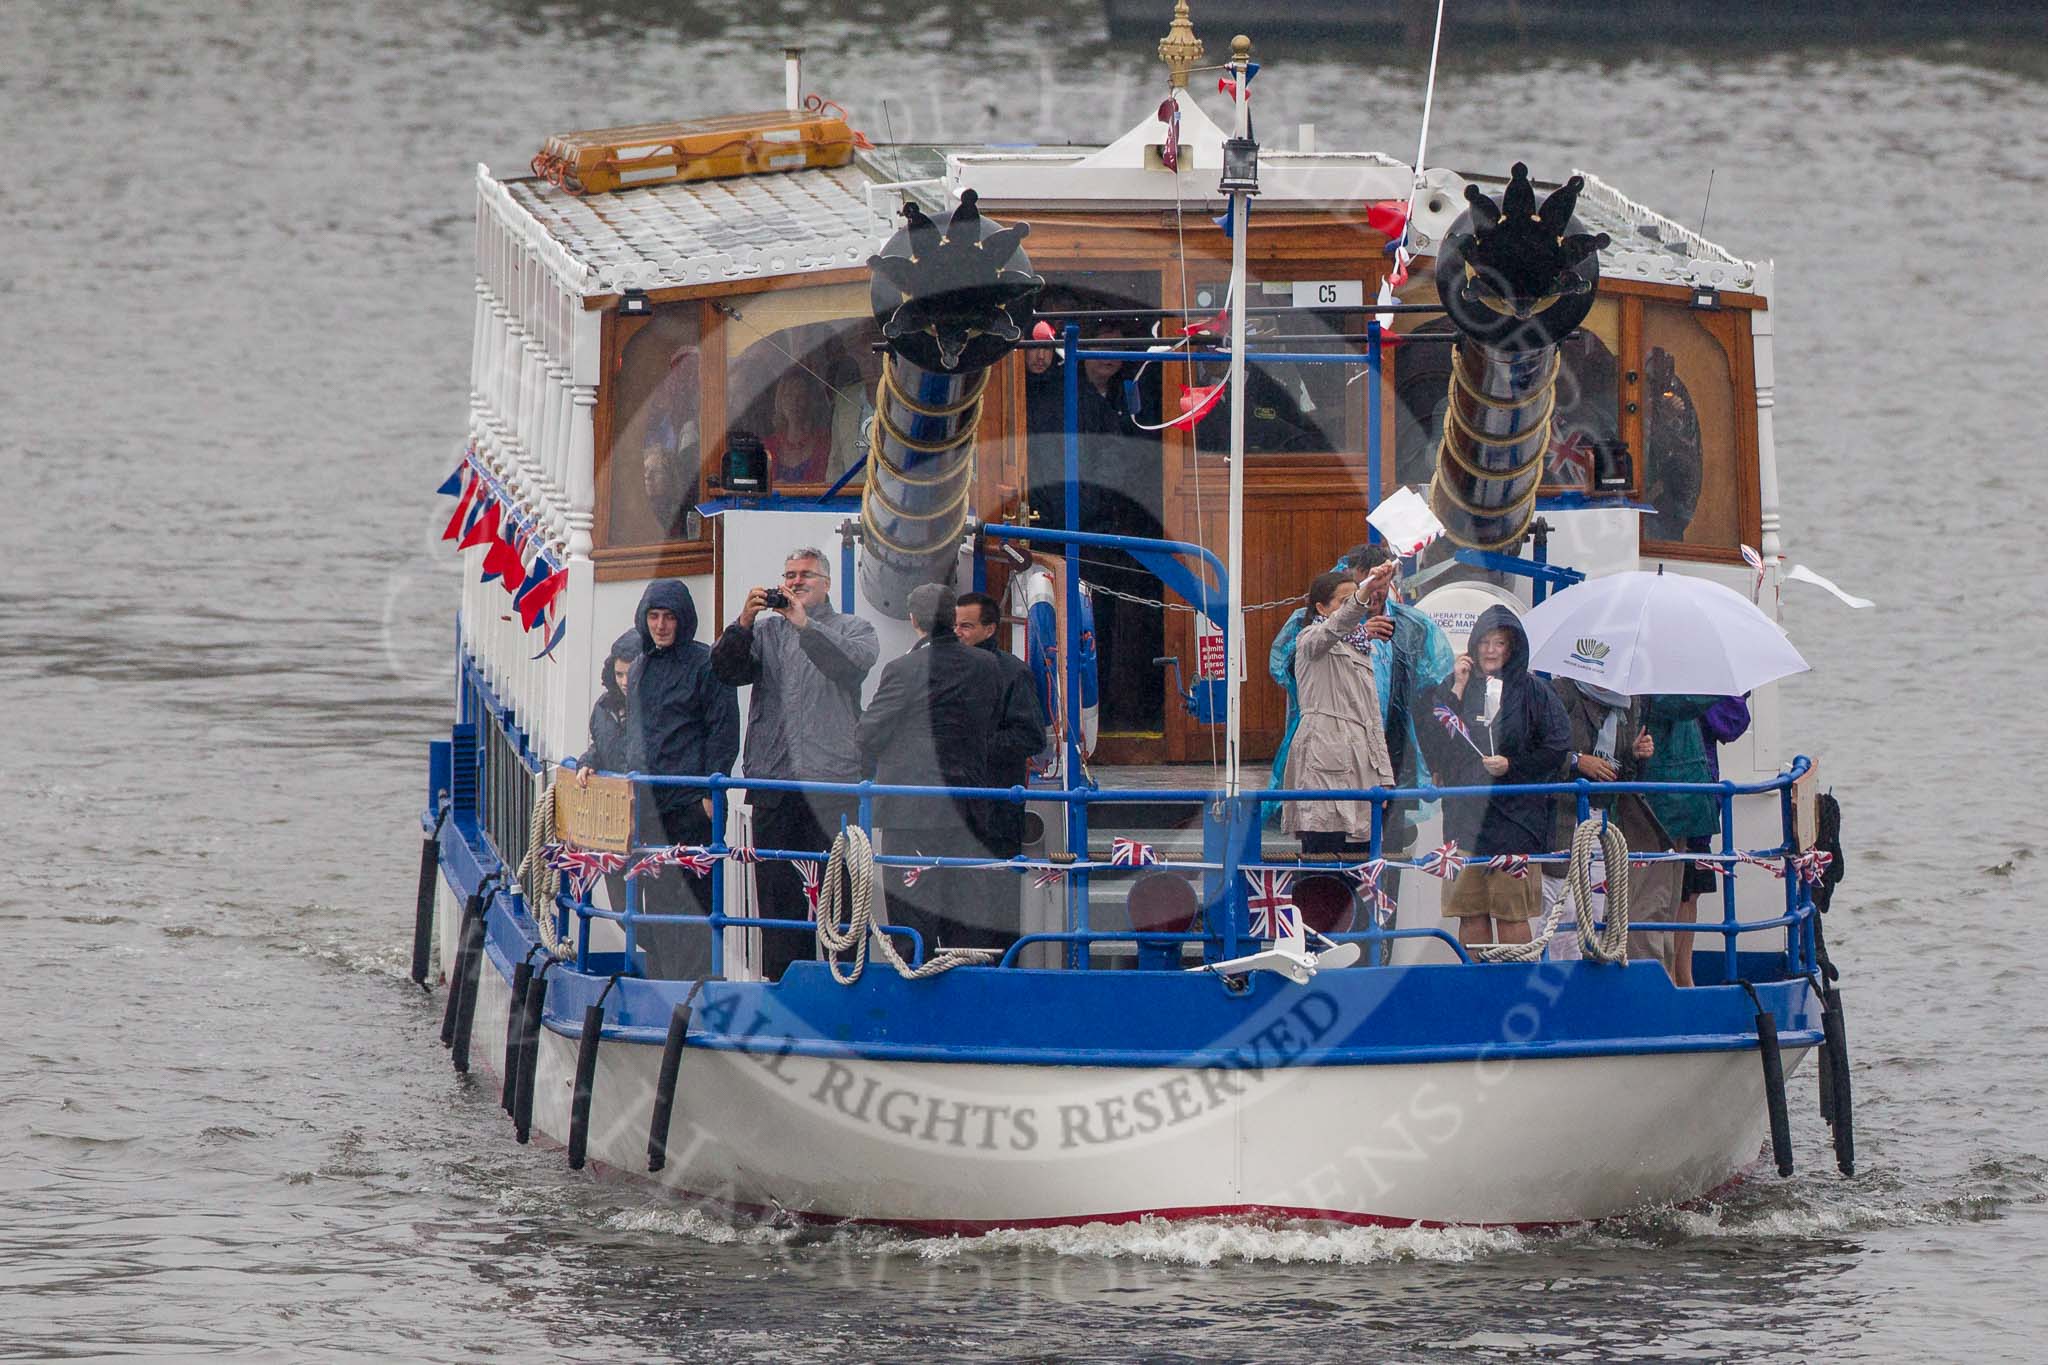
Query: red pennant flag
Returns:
{"type": "Point", "coordinates": [501, 561]}
{"type": "Point", "coordinates": [462, 508]}
{"type": "Point", "coordinates": [484, 532]}
{"type": "Point", "coordinates": [539, 596]}
{"type": "Point", "coordinates": [1387, 217]}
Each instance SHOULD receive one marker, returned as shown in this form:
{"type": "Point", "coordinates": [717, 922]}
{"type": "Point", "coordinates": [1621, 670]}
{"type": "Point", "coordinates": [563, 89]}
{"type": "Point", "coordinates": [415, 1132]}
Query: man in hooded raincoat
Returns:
{"type": "Point", "coordinates": [681, 721]}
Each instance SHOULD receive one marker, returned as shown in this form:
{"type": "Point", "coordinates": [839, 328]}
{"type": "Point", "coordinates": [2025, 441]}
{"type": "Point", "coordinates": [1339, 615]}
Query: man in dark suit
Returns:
{"type": "Point", "coordinates": [931, 724]}
{"type": "Point", "coordinates": [1019, 735]}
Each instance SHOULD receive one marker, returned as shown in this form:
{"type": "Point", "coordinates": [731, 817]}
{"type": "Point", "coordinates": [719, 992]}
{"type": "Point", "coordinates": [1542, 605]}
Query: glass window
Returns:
{"type": "Point", "coordinates": [656, 457]}
{"type": "Point", "coordinates": [1690, 470]}
{"type": "Point", "coordinates": [1290, 409]}
{"type": "Point", "coordinates": [802, 378]}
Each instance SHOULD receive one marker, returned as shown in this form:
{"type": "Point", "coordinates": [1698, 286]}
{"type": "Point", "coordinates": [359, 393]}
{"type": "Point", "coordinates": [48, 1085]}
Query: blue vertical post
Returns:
{"type": "Point", "coordinates": [717, 875]}
{"type": "Point", "coordinates": [1372, 426]}
{"type": "Point", "coordinates": [1077, 812]}
{"type": "Point", "coordinates": [1728, 919]}
{"type": "Point", "coordinates": [1795, 932]}
{"type": "Point", "coordinates": [846, 574]}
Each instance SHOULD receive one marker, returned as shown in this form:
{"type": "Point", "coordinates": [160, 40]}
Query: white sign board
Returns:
{"type": "Point", "coordinates": [1329, 294]}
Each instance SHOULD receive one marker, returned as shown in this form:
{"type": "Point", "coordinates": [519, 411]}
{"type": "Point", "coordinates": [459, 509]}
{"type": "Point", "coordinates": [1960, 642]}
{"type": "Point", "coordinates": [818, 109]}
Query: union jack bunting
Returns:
{"type": "Point", "coordinates": [694, 860]}
{"type": "Point", "coordinates": [1048, 876]}
{"type": "Point", "coordinates": [1272, 905]}
{"type": "Point", "coordinates": [911, 874]}
{"type": "Point", "coordinates": [1368, 877]}
{"type": "Point", "coordinates": [1812, 865]}
{"type": "Point", "coordinates": [1702, 865]}
{"type": "Point", "coordinates": [743, 854]}
{"type": "Point", "coordinates": [1130, 853]}
{"type": "Point", "coordinates": [1443, 861]}
{"type": "Point", "coordinates": [581, 866]}
{"type": "Point", "coordinates": [812, 876]}
{"type": "Point", "coordinates": [1516, 865]}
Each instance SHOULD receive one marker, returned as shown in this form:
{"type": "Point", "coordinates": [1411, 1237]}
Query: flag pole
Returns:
{"type": "Point", "coordinates": [1240, 204]}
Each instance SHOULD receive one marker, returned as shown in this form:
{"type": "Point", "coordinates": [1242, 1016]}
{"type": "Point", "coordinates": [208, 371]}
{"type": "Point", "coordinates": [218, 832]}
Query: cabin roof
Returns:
{"type": "Point", "coordinates": [799, 222]}
{"type": "Point", "coordinates": [704, 232]}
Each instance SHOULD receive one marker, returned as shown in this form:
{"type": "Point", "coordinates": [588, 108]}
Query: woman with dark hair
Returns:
{"type": "Point", "coordinates": [607, 751]}
{"type": "Point", "coordinates": [1519, 734]}
{"type": "Point", "coordinates": [1341, 743]}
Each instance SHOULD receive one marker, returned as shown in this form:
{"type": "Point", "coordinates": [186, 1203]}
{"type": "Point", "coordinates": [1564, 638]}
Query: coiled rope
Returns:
{"type": "Point", "coordinates": [1601, 945]}
{"type": "Point", "coordinates": [541, 882]}
{"type": "Point", "coordinates": [854, 856]}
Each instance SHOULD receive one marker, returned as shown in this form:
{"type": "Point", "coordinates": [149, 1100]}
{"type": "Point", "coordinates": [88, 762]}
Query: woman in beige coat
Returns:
{"type": "Point", "coordinates": [1342, 741]}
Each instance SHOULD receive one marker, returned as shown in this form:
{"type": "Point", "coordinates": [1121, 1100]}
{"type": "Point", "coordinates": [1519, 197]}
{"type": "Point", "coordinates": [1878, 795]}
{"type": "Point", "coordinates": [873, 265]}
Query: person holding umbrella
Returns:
{"type": "Point", "coordinates": [1497, 724]}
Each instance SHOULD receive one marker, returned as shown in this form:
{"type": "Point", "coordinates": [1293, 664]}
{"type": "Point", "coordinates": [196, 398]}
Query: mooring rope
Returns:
{"type": "Point", "coordinates": [1601, 945]}
{"type": "Point", "coordinates": [854, 856]}
{"type": "Point", "coordinates": [541, 882]}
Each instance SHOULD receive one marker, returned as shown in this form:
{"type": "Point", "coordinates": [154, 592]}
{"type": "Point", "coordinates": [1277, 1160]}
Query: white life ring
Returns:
{"type": "Point", "coordinates": [1035, 595]}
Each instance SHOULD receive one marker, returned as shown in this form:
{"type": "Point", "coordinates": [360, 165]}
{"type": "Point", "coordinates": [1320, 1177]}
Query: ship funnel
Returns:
{"type": "Point", "coordinates": [1515, 280]}
{"type": "Point", "coordinates": [951, 296]}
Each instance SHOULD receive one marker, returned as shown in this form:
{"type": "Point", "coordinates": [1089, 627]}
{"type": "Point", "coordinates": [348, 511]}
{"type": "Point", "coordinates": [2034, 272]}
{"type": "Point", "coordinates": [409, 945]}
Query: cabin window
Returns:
{"type": "Point", "coordinates": [1309, 409]}
{"type": "Point", "coordinates": [1690, 472]}
{"type": "Point", "coordinates": [656, 454]}
{"type": "Point", "coordinates": [802, 379]}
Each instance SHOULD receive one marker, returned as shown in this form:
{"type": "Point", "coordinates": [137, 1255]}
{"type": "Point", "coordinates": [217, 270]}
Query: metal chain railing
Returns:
{"type": "Point", "coordinates": [1132, 597]}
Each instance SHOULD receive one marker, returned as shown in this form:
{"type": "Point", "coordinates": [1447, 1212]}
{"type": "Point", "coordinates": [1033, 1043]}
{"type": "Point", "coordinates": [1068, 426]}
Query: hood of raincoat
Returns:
{"type": "Point", "coordinates": [1502, 618]}
{"type": "Point", "coordinates": [674, 594]}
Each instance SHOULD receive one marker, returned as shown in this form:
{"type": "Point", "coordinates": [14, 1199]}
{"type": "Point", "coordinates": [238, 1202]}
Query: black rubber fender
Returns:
{"type": "Point", "coordinates": [471, 908]}
{"type": "Point", "coordinates": [1774, 1090]}
{"type": "Point", "coordinates": [529, 1053]}
{"type": "Point", "coordinates": [423, 907]}
{"type": "Point", "coordinates": [1835, 1038]}
{"type": "Point", "coordinates": [586, 1080]}
{"type": "Point", "coordinates": [515, 1021]}
{"type": "Point", "coordinates": [463, 990]}
{"type": "Point", "coordinates": [665, 1085]}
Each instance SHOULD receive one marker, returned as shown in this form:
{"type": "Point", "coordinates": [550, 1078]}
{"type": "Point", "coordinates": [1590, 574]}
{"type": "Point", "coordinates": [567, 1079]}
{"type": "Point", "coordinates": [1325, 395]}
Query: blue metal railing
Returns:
{"type": "Point", "coordinates": [1225, 926]}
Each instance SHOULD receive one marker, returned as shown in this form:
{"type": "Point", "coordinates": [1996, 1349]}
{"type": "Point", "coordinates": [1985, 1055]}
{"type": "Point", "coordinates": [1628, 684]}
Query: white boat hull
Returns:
{"type": "Point", "coordinates": [973, 1146]}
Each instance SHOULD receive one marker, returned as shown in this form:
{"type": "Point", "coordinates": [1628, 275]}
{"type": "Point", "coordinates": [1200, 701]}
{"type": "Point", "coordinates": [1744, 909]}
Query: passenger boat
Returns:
{"type": "Point", "coordinates": [646, 294]}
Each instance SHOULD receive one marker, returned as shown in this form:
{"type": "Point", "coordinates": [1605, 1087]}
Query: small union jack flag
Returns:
{"type": "Point", "coordinates": [911, 874]}
{"type": "Point", "coordinates": [1130, 853]}
{"type": "Point", "coordinates": [1451, 721]}
{"type": "Point", "coordinates": [581, 866]}
{"type": "Point", "coordinates": [1272, 905]}
{"type": "Point", "coordinates": [812, 876]}
{"type": "Point", "coordinates": [1368, 875]}
{"type": "Point", "coordinates": [1702, 865]}
{"type": "Point", "coordinates": [1443, 861]}
{"type": "Point", "coordinates": [743, 854]}
{"type": "Point", "coordinates": [1516, 865]}
{"type": "Point", "coordinates": [696, 861]}
{"type": "Point", "coordinates": [1755, 561]}
{"type": "Point", "coordinates": [1048, 876]}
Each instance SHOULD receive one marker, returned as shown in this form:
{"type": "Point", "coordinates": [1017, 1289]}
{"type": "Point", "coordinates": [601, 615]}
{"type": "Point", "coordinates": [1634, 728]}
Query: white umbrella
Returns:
{"type": "Point", "coordinates": [1642, 634]}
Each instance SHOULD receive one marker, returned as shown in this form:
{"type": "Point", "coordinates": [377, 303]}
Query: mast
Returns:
{"type": "Point", "coordinates": [1240, 181]}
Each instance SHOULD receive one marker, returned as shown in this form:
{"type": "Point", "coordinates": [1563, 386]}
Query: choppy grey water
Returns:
{"type": "Point", "coordinates": [234, 266]}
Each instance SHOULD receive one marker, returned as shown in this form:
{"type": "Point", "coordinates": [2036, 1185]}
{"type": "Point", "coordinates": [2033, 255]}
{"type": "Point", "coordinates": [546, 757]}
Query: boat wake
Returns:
{"type": "Point", "coordinates": [1819, 1208]}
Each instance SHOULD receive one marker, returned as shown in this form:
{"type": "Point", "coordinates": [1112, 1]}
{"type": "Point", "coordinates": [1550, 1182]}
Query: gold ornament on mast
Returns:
{"type": "Point", "coordinates": [1180, 49]}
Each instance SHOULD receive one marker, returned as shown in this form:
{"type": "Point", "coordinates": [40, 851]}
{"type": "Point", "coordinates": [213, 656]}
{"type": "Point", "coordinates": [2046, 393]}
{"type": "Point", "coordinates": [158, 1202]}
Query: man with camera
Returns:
{"type": "Point", "coordinates": [806, 663]}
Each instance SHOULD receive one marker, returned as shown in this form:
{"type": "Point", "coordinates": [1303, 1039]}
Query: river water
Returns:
{"type": "Point", "coordinates": [234, 263]}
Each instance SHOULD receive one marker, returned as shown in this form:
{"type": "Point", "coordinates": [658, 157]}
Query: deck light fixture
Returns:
{"type": "Point", "coordinates": [634, 303]}
{"type": "Point", "coordinates": [1240, 167]}
{"type": "Point", "coordinates": [1706, 297]}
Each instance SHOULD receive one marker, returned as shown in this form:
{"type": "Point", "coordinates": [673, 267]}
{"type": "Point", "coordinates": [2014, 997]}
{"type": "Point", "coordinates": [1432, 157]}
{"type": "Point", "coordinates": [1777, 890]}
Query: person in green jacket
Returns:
{"type": "Point", "coordinates": [1691, 819]}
